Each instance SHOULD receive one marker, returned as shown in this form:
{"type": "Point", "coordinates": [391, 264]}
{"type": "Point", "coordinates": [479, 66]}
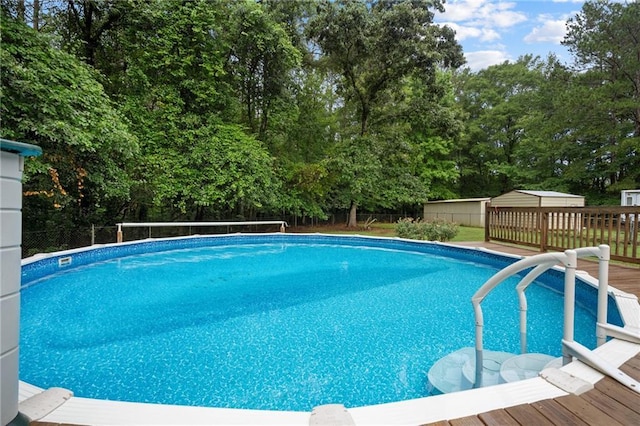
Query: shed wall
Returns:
{"type": "Point", "coordinates": [561, 202]}
{"type": "Point", "coordinates": [515, 199]}
{"type": "Point", "coordinates": [467, 213]}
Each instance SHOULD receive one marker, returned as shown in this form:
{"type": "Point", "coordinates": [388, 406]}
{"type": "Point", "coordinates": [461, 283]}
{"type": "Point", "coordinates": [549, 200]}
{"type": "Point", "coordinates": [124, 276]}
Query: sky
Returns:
{"type": "Point", "coordinates": [494, 31]}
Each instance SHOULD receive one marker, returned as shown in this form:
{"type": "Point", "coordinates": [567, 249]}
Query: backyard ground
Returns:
{"type": "Point", "coordinates": [383, 230]}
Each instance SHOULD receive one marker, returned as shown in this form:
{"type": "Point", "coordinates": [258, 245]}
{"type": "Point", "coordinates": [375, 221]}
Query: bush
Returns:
{"type": "Point", "coordinates": [436, 230]}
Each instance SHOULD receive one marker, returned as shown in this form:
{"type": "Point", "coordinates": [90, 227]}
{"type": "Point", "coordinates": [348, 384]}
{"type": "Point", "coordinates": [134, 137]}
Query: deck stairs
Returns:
{"type": "Point", "coordinates": [458, 370]}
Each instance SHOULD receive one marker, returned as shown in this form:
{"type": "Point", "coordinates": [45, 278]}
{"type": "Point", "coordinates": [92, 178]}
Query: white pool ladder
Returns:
{"type": "Point", "coordinates": [570, 348]}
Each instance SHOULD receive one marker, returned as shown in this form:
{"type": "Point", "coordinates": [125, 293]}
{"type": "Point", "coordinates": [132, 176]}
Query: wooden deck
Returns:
{"type": "Point", "coordinates": [609, 403]}
{"type": "Point", "coordinates": [623, 277]}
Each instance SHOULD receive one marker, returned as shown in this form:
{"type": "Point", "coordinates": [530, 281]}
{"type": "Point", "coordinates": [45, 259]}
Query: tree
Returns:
{"type": "Point", "coordinates": [194, 162]}
{"type": "Point", "coordinates": [51, 99]}
{"type": "Point", "coordinates": [498, 100]}
{"type": "Point", "coordinates": [261, 59]}
{"type": "Point", "coordinates": [605, 40]}
{"type": "Point", "coordinates": [225, 171]}
{"type": "Point", "coordinates": [374, 46]}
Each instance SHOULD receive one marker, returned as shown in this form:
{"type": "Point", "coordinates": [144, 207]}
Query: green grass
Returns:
{"type": "Point", "coordinates": [465, 233]}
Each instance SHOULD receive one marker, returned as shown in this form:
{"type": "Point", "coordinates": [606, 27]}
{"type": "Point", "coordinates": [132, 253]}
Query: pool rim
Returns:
{"type": "Point", "coordinates": [240, 416]}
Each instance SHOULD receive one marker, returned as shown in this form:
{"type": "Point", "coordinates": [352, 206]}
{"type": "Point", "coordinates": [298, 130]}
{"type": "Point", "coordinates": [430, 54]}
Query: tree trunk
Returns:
{"type": "Point", "coordinates": [20, 11]}
{"type": "Point", "coordinates": [36, 15]}
{"type": "Point", "coordinates": [353, 221]}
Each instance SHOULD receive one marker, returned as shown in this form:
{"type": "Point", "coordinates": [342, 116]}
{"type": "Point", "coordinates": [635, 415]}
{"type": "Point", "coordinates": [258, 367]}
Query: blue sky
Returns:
{"type": "Point", "coordinates": [494, 31]}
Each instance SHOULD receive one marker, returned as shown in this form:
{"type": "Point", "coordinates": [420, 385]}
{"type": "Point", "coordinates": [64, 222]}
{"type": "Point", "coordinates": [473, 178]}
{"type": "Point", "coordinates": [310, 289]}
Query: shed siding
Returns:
{"type": "Point", "coordinates": [537, 199]}
{"type": "Point", "coordinates": [515, 199]}
{"type": "Point", "coordinates": [562, 202]}
{"type": "Point", "coordinates": [462, 212]}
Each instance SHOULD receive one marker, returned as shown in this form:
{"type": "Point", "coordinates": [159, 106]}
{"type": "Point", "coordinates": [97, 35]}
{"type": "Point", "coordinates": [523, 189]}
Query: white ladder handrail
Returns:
{"type": "Point", "coordinates": [570, 348]}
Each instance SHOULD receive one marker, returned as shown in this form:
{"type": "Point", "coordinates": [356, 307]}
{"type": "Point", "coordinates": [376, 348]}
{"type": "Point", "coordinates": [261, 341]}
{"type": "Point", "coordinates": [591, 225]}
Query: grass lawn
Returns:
{"type": "Point", "coordinates": [465, 233]}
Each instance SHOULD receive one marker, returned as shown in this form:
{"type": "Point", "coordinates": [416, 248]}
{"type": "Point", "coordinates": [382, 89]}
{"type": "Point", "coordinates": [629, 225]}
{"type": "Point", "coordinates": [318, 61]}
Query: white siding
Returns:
{"type": "Point", "coordinates": [515, 199]}
{"type": "Point", "coordinates": [467, 212]}
{"type": "Point", "coordinates": [520, 198]}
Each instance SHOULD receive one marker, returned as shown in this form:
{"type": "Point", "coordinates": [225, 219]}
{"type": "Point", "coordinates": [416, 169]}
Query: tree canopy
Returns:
{"type": "Point", "coordinates": [221, 109]}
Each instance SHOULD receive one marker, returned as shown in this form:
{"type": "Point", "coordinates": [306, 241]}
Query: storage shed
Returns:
{"type": "Point", "coordinates": [524, 198]}
{"type": "Point", "coordinates": [536, 199]}
{"type": "Point", "coordinates": [465, 211]}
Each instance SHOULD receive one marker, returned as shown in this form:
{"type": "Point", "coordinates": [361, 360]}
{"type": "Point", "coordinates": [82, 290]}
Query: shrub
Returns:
{"type": "Point", "coordinates": [435, 230]}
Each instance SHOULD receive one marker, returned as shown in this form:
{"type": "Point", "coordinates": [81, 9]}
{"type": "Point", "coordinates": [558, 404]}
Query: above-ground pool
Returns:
{"type": "Point", "coordinates": [277, 321]}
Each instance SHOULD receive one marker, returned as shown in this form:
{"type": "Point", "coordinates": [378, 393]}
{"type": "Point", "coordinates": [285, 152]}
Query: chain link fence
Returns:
{"type": "Point", "coordinates": [50, 240]}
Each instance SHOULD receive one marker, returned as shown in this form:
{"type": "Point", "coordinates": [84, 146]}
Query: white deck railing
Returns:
{"type": "Point", "coordinates": [150, 225]}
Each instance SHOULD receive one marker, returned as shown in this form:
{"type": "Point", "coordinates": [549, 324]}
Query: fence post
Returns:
{"type": "Point", "coordinates": [93, 234]}
{"type": "Point", "coordinates": [544, 228]}
{"type": "Point", "coordinates": [487, 220]}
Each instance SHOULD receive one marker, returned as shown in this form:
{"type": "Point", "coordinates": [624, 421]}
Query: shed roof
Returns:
{"type": "Point", "coordinates": [459, 200]}
{"type": "Point", "coordinates": [548, 194]}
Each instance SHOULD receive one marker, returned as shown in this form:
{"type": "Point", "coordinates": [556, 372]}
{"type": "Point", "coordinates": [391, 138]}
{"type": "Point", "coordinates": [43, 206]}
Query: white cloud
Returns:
{"type": "Point", "coordinates": [485, 58]}
{"type": "Point", "coordinates": [463, 10]}
{"type": "Point", "coordinates": [483, 13]}
{"type": "Point", "coordinates": [551, 31]}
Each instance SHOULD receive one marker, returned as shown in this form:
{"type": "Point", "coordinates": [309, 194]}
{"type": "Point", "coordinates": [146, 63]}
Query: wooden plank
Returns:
{"type": "Point", "coordinates": [497, 417]}
{"type": "Point", "coordinates": [613, 408]}
{"type": "Point", "coordinates": [556, 413]}
{"type": "Point", "coordinates": [467, 421]}
{"type": "Point", "coordinates": [620, 393]}
{"type": "Point", "coordinates": [439, 423]}
{"type": "Point", "coordinates": [527, 415]}
{"type": "Point", "coordinates": [587, 412]}
{"type": "Point", "coordinates": [632, 367]}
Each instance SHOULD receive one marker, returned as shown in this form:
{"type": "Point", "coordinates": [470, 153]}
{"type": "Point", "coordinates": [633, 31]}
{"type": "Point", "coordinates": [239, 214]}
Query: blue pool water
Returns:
{"type": "Point", "coordinates": [281, 324]}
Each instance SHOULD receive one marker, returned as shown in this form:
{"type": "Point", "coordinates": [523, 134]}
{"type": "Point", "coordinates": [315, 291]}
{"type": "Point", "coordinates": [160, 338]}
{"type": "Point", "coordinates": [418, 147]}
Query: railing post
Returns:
{"type": "Point", "coordinates": [569, 302]}
{"type": "Point", "coordinates": [603, 284]}
{"type": "Point", "coordinates": [487, 222]}
{"type": "Point", "coordinates": [544, 229]}
{"type": "Point", "coordinates": [119, 233]}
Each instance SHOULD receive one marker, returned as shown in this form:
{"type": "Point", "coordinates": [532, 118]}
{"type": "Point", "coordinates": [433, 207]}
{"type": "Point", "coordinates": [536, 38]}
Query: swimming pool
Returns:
{"type": "Point", "coordinates": [348, 320]}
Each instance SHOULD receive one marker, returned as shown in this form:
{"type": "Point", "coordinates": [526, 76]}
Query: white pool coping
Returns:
{"type": "Point", "coordinates": [77, 410]}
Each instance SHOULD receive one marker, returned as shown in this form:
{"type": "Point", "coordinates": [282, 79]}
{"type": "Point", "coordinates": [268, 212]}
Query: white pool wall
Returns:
{"type": "Point", "coordinates": [11, 168]}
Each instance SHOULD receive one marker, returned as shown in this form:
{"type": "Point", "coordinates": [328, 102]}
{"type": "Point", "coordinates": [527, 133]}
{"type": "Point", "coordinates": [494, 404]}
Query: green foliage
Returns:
{"type": "Point", "coordinates": [235, 116]}
{"type": "Point", "coordinates": [377, 47]}
{"type": "Point", "coordinates": [261, 60]}
{"type": "Point", "coordinates": [193, 181]}
{"type": "Point", "coordinates": [51, 99]}
{"type": "Point", "coordinates": [435, 230]}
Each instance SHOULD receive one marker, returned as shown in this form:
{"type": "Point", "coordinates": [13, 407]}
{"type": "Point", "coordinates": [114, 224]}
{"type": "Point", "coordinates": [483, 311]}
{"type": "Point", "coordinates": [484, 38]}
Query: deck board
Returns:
{"type": "Point", "coordinates": [620, 393]}
{"type": "Point", "coordinates": [613, 408]}
{"type": "Point", "coordinates": [556, 413]}
{"type": "Point", "coordinates": [467, 421]}
{"type": "Point", "coordinates": [497, 417]}
{"type": "Point", "coordinates": [527, 414]}
{"type": "Point", "coordinates": [587, 412]}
